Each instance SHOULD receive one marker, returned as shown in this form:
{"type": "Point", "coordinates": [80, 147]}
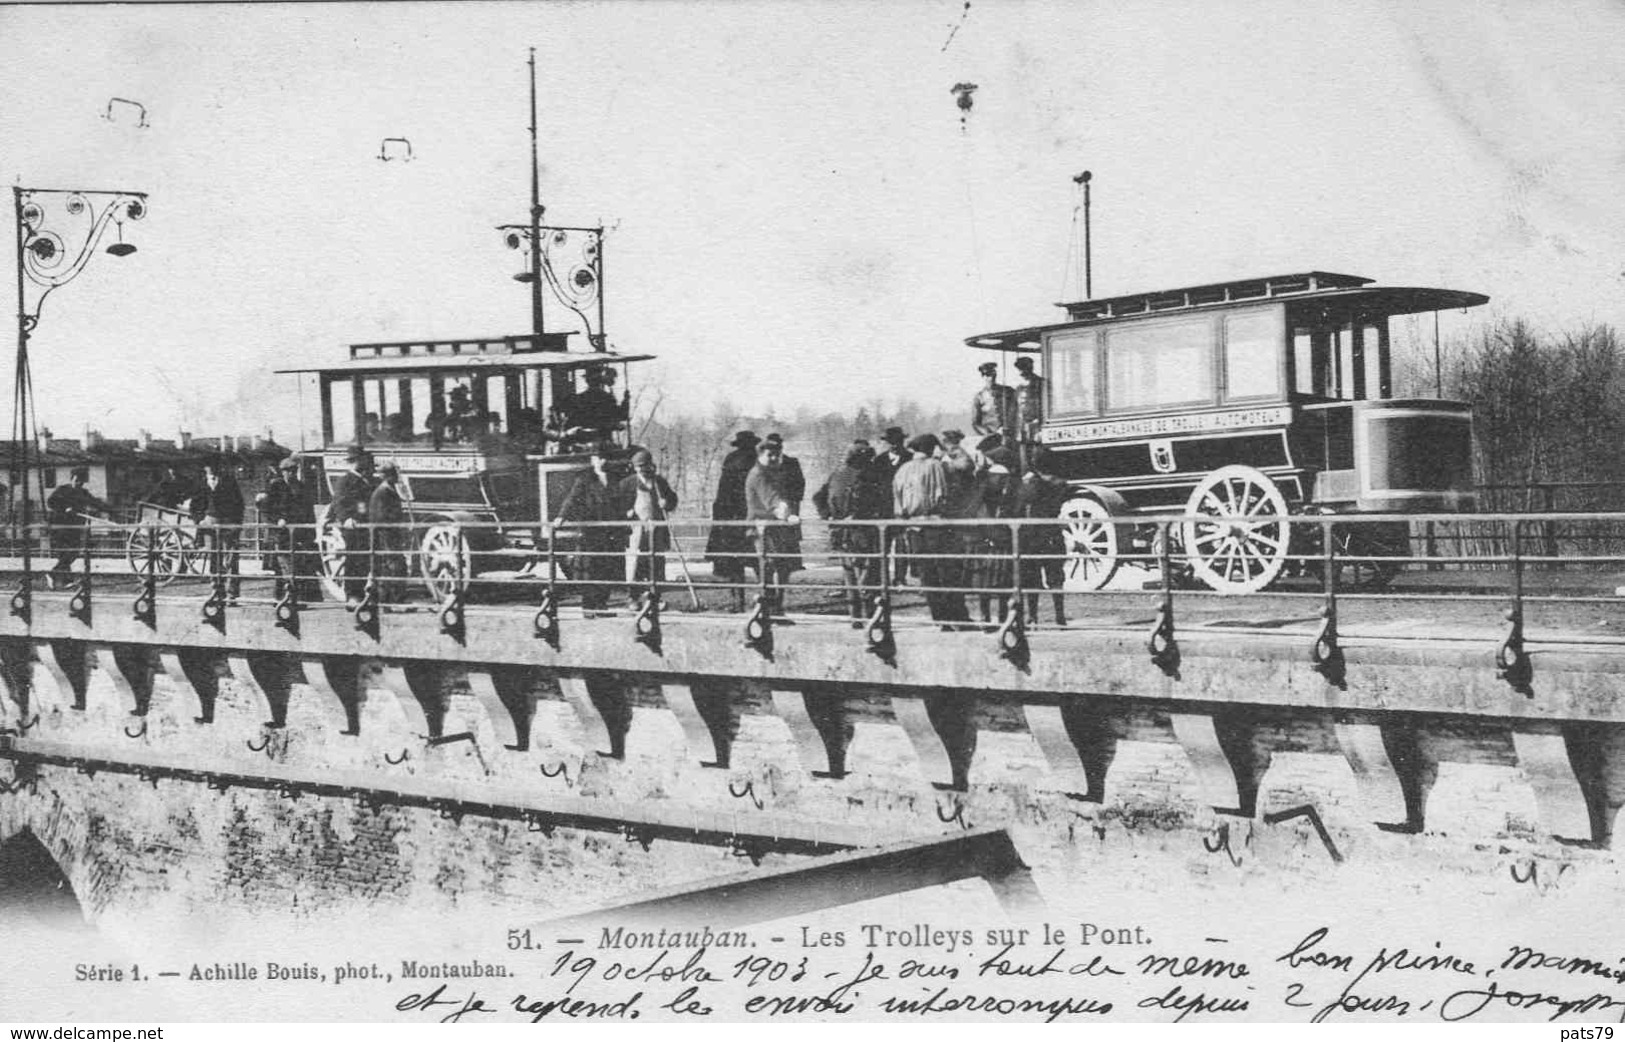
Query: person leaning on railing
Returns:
{"type": "Point", "coordinates": [769, 491]}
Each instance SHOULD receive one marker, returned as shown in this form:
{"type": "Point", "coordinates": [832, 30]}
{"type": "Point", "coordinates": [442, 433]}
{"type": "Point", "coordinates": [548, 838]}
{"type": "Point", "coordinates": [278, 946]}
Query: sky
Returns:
{"type": "Point", "coordinates": [799, 215]}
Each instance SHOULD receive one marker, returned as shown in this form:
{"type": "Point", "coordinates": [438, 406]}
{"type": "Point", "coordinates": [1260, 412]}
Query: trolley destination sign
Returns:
{"type": "Point", "coordinates": [1189, 423]}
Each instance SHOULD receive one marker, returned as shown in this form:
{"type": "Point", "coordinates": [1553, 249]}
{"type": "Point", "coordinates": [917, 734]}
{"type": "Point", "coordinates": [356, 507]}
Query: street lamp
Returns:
{"type": "Point", "coordinates": [57, 233]}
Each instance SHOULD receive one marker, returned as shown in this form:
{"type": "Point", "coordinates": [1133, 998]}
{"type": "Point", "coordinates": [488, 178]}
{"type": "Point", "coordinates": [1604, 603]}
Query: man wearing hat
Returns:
{"type": "Point", "coordinates": [795, 489]}
{"type": "Point", "coordinates": [1029, 400]}
{"type": "Point", "coordinates": [645, 497]}
{"type": "Point", "coordinates": [352, 494]}
{"type": "Point", "coordinates": [391, 538]}
{"type": "Point", "coordinates": [592, 414]}
{"type": "Point", "coordinates": [218, 510]}
{"type": "Point", "coordinates": [67, 513]}
{"type": "Point", "coordinates": [884, 469]}
{"type": "Point", "coordinates": [727, 546]}
{"type": "Point", "coordinates": [595, 564]}
{"type": "Point", "coordinates": [1043, 549]}
{"type": "Point", "coordinates": [852, 494]}
{"type": "Point", "coordinates": [993, 410]}
{"type": "Point", "coordinates": [285, 508]}
{"type": "Point", "coordinates": [920, 492]}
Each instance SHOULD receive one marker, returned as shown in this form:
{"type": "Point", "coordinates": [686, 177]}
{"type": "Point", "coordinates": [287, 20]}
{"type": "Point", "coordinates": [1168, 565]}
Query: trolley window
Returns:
{"type": "Point", "coordinates": [1254, 342]}
{"type": "Point", "coordinates": [1072, 385]}
{"type": "Point", "coordinates": [1159, 364]}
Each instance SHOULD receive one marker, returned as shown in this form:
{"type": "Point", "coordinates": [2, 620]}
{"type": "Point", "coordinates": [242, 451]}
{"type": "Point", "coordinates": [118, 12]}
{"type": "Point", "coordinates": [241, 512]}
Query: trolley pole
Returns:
{"type": "Point", "coordinates": [536, 323]}
{"type": "Point", "coordinates": [1088, 275]}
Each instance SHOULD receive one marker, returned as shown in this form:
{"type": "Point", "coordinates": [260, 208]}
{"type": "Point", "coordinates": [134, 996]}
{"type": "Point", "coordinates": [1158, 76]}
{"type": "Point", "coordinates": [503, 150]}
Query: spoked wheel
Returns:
{"type": "Point", "coordinates": [1240, 551]}
{"type": "Point", "coordinates": [1091, 544]}
{"type": "Point", "coordinates": [330, 546]}
{"type": "Point", "coordinates": [154, 551]}
{"type": "Point", "coordinates": [194, 556]}
{"type": "Point", "coordinates": [446, 561]}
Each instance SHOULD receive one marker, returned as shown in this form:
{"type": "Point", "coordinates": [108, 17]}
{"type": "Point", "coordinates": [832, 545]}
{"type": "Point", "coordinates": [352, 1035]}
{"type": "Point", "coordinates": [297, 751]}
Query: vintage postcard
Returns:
{"type": "Point", "coordinates": [735, 512]}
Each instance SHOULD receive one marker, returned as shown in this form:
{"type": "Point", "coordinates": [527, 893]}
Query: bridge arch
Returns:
{"type": "Point", "coordinates": [34, 884]}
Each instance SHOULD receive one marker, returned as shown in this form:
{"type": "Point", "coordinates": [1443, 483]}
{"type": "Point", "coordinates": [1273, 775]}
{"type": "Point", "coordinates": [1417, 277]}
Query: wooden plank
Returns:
{"type": "Point", "coordinates": [830, 882]}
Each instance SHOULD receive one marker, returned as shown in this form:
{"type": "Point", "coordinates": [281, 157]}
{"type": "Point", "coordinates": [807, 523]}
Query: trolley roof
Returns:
{"type": "Point", "coordinates": [1352, 290]}
{"type": "Point", "coordinates": [546, 351]}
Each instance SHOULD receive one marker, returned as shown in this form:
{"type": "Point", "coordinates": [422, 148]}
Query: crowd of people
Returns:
{"type": "Point", "coordinates": [616, 513]}
{"type": "Point", "coordinates": [930, 479]}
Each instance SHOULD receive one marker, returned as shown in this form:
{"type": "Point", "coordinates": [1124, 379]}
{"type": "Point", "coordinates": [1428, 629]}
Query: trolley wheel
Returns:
{"type": "Point", "coordinates": [1092, 544]}
{"type": "Point", "coordinates": [156, 551]}
{"type": "Point", "coordinates": [330, 548]}
{"type": "Point", "coordinates": [446, 561]}
{"type": "Point", "coordinates": [1235, 553]}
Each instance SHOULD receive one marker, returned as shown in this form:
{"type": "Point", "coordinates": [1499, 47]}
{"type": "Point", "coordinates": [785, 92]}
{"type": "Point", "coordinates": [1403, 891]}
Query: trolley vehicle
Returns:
{"type": "Point", "coordinates": [479, 431]}
{"type": "Point", "coordinates": [164, 543]}
{"type": "Point", "coordinates": [1240, 400]}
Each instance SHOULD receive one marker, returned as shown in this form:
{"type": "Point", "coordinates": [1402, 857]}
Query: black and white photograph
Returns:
{"type": "Point", "coordinates": [780, 511]}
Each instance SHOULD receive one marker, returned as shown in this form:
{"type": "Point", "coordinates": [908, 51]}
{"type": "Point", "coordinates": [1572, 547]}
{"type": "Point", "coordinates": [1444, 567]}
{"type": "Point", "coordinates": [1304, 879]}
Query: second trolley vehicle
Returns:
{"type": "Point", "coordinates": [488, 435]}
{"type": "Point", "coordinates": [1240, 400]}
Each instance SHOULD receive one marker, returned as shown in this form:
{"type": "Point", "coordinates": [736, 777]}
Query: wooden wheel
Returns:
{"type": "Point", "coordinates": [1091, 544]}
{"type": "Point", "coordinates": [154, 550]}
{"type": "Point", "coordinates": [446, 561]}
{"type": "Point", "coordinates": [1241, 550]}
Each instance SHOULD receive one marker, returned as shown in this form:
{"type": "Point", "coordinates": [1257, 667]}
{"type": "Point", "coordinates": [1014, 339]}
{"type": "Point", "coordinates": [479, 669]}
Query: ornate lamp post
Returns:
{"type": "Point", "coordinates": [57, 233]}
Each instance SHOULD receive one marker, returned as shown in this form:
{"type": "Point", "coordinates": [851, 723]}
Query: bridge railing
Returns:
{"type": "Point", "coordinates": [882, 577]}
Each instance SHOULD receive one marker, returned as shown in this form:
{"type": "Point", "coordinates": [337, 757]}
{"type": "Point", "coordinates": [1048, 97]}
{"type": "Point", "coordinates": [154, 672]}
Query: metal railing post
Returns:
{"type": "Point", "coordinates": [1163, 645]}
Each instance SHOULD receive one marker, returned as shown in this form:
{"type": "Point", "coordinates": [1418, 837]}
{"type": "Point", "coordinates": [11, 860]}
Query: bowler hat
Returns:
{"type": "Point", "coordinates": [744, 440]}
{"type": "Point", "coordinates": [988, 368]}
{"type": "Point", "coordinates": [894, 436]}
{"type": "Point", "coordinates": [1024, 363]}
{"type": "Point", "coordinates": [1002, 456]}
{"type": "Point", "coordinates": [953, 436]}
{"type": "Point", "coordinates": [775, 439]}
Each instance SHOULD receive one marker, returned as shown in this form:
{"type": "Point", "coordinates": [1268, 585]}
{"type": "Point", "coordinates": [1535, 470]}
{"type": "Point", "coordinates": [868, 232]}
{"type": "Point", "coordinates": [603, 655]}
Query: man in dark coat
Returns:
{"type": "Point", "coordinates": [591, 500]}
{"type": "Point", "coordinates": [593, 414]}
{"type": "Point", "coordinates": [646, 498]}
{"type": "Point", "coordinates": [795, 490]}
{"type": "Point", "coordinates": [852, 493]}
{"type": "Point", "coordinates": [768, 492]}
{"type": "Point", "coordinates": [352, 494]}
{"type": "Point", "coordinates": [286, 510]}
{"type": "Point", "coordinates": [218, 510]}
{"type": "Point", "coordinates": [885, 467]}
{"type": "Point", "coordinates": [67, 511]}
{"type": "Point", "coordinates": [727, 547]}
{"type": "Point", "coordinates": [391, 535]}
{"type": "Point", "coordinates": [1043, 550]}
